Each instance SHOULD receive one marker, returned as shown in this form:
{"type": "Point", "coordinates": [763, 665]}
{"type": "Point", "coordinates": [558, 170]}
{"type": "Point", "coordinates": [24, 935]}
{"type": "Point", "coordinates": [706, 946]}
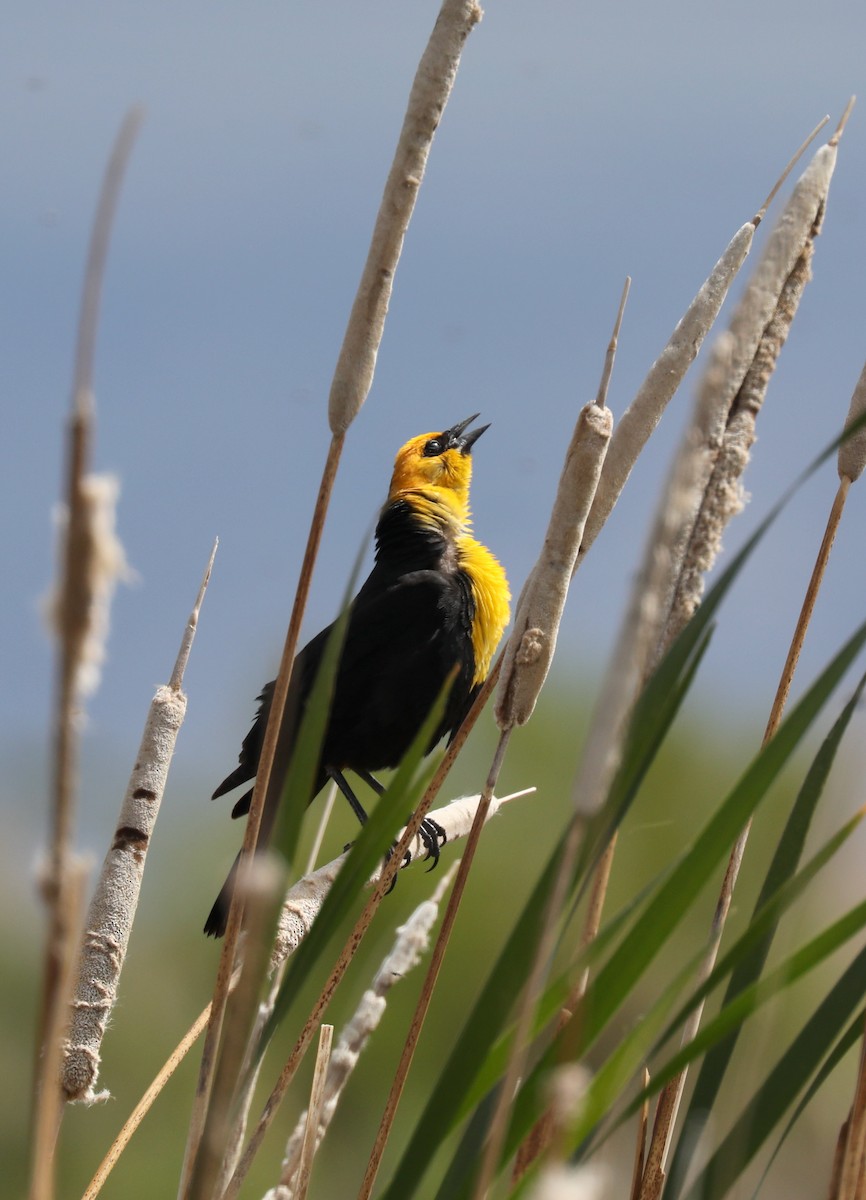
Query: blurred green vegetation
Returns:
{"type": "Point", "coordinates": [167, 978]}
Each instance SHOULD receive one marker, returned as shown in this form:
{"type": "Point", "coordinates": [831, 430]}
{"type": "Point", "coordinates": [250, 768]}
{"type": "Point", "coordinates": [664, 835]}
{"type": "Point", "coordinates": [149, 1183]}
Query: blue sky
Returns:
{"type": "Point", "coordinates": [582, 143]}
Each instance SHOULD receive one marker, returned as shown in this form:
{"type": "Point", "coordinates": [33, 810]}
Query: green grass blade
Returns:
{"type": "Point", "coordinates": [775, 896]}
{"type": "Point", "coordinates": [741, 951]}
{"type": "Point", "coordinates": [734, 1014]}
{"type": "Point", "coordinates": [617, 977]}
{"type": "Point", "coordinates": [781, 1086]}
{"type": "Point", "coordinates": [852, 1035]}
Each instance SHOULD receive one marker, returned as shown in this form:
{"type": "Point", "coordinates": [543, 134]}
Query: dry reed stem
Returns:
{"type": "Point", "coordinates": [427, 99]}
{"type": "Point", "coordinates": [48, 1113]}
{"type": "Point", "coordinates": [145, 1104]}
{"type": "Point", "coordinates": [356, 936]}
{"type": "Point", "coordinates": [226, 966]}
{"type": "Point", "coordinates": [115, 898]}
{"type": "Point", "coordinates": [855, 1136]}
{"type": "Point", "coordinates": [838, 1155]}
{"type": "Point", "coordinates": [313, 1117]}
{"type": "Point", "coordinates": [419, 1016]}
{"type": "Point", "coordinates": [852, 453]}
{"type": "Point", "coordinates": [262, 883]}
{"type": "Point", "coordinates": [640, 1141]}
{"type": "Point", "coordinates": [808, 607]}
{"type": "Point", "coordinates": [413, 939]}
{"type": "Point", "coordinates": [82, 595]}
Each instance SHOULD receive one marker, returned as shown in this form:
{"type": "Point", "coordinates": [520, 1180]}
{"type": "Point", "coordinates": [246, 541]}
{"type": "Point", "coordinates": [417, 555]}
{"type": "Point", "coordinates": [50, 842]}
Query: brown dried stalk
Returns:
{"type": "Point", "coordinates": [640, 1141]}
{"type": "Point", "coordinates": [314, 1112]}
{"type": "Point", "coordinates": [851, 1164]}
{"type": "Point", "coordinates": [86, 583]}
{"type": "Point", "coordinates": [51, 1101]}
{"type": "Point", "coordinates": [352, 379]}
{"type": "Point", "coordinates": [145, 1104]}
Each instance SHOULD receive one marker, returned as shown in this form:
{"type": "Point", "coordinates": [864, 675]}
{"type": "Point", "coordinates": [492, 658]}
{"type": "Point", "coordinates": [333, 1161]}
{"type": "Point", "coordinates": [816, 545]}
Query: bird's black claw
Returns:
{"type": "Point", "coordinates": [432, 835]}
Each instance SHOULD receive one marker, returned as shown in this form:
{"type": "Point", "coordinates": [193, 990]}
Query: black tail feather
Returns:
{"type": "Point", "coordinates": [215, 925]}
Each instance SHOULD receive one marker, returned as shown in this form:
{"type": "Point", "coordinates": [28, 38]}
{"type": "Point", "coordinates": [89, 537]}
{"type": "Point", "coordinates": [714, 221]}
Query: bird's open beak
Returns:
{"type": "Point", "coordinates": [464, 442]}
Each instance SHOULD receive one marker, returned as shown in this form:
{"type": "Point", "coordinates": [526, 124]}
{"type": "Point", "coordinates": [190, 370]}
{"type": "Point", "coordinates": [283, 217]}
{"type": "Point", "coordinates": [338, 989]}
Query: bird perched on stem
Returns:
{"type": "Point", "coordinates": [435, 600]}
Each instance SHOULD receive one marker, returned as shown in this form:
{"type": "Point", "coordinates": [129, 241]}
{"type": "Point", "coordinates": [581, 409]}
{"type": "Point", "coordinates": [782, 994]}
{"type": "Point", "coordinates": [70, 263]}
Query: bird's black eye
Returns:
{"type": "Point", "coordinates": [432, 448]}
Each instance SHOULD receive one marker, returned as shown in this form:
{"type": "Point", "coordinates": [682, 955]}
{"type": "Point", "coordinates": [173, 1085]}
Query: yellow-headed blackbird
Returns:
{"type": "Point", "coordinates": [435, 599]}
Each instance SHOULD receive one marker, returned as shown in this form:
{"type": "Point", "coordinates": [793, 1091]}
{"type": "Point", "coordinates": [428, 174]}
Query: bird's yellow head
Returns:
{"type": "Point", "coordinates": [439, 462]}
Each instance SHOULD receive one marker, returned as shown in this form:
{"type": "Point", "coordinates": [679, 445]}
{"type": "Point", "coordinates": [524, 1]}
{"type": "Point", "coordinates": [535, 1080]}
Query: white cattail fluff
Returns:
{"type": "Point", "coordinates": [797, 225]}
{"type": "Point", "coordinates": [305, 898]}
{"type": "Point", "coordinates": [112, 909]}
{"type": "Point", "coordinates": [664, 377]}
{"type": "Point", "coordinates": [411, 943]}
{"type": "Point", "coordinates": [530, 648]}
{"type": "Point", "coordinates": [101, 557]}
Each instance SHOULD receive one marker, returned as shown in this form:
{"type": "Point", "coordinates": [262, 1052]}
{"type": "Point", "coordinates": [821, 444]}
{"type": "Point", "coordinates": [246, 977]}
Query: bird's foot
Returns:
{"type": "Point", "coordinates": [434, 837]}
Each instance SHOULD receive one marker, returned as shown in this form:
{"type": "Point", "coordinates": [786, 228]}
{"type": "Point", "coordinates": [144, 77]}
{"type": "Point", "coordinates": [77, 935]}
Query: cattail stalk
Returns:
{"type": "Point", "coordinates": [772, 298]}
{"type": "Point", "coordinates": [666, 374]}
{"type": "Point", "coordinates": [312, 1123]}
{"type": "Point", "coordinates": [350, 386]}
{"type": "Point", "coordinates": [87, 576]}
{"type": "Point", "coordinates": [539, 612]}
{"type": "Point", "coordinates": [115, 900]}
{"type": "Point", "coordinates": [431, 89]}
{"type": "Point", "coordinates": [531, 645]}
{"type": "Point", "coordinates": [638, 640]}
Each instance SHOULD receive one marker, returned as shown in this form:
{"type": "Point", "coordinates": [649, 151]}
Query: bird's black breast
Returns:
{"type": "Point", "coordinates": [409, 626]}
{"type": "Point", "coordinates": [401, 644]}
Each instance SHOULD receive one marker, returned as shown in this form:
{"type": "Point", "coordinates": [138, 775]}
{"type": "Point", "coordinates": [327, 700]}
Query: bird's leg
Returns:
{"type": "Point", "coordinates": [371, 781]}
{"type": "Point", "coordinates": [354, 803]}
{"type": "Point", "coordinates": [430, 831]}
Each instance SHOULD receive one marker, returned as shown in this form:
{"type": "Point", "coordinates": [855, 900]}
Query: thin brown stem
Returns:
{"type": "Point", "coordinates": [808, 607]}
{"type": "Point", "coordinates": [74, 613]}
{"type": "Point", "coordinates": [640, 1141]}
{"type": "Point", "coordinates": [439, 949]}
{"type": "Point", "coordinates": [263, 783]}
{"type": "Point", "coordinates": [314, 1112]}
{"type": "Point", "coordinates": [145, 1104]}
